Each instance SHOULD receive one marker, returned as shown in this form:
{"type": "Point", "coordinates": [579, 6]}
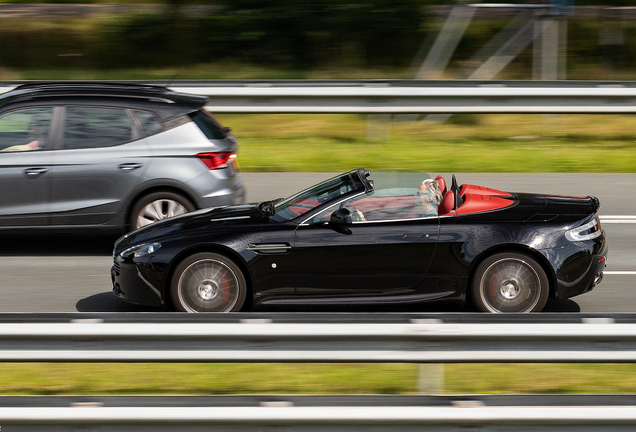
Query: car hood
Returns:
{"type": "Point", "coordinates": [240, 214]}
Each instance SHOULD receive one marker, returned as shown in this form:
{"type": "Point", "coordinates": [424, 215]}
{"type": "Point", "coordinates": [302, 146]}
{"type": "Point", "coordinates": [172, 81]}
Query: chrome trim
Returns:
{"type": "Point", "coordinates": [395, 220]}
{"type": "Point", "coordinates": [230, 218]}
{"type": "Point", "coordinates": [268, 247]}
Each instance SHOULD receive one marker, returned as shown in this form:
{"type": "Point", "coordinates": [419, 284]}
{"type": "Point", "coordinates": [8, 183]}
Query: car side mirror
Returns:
{"type": "Point", "coordinates": [341, 217]}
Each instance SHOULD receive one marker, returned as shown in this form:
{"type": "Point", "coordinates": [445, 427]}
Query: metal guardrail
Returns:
{"type": "Point", "coordinates": [421, 97]}
{"type": "Point", "coordinates": [319, 337]}
{"type": "Point", "coordinates": [324, 418]}
{"type": "Point", "coordinates": [420, 341]}
{"type": "Point", "coordinates": [409, 96]}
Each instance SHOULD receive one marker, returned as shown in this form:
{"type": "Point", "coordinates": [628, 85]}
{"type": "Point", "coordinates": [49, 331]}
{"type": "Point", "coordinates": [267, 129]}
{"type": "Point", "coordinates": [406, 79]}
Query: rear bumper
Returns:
{"type": "Point", "coordinates": [583, 270]}
{"type": "Point", "coordinates": [226, 190]}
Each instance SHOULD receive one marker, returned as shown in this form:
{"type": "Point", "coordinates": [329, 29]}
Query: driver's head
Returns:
{"type": "Point", "coordinates": [429, 193]}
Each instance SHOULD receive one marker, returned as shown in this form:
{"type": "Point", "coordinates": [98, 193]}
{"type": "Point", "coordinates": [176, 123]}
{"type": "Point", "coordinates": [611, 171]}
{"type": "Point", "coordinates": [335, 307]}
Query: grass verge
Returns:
{"type": "Point", "coordinates": [151, 378]}
{"type": "Point", "coordinates": [475, 143]}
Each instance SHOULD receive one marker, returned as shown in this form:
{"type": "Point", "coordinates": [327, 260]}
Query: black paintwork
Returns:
{"type": "Point", "coordinates": [374, 264]}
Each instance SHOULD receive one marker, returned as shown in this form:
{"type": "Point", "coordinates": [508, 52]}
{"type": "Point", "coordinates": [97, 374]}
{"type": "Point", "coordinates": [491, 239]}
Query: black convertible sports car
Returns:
{"type": "Point", "coordinates": [359, 240]}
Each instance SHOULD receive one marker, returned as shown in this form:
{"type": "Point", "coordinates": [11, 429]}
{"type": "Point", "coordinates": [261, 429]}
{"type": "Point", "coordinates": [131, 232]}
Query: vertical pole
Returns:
{"type": "Point", "coordinates": [536, 49]}
{"type": "Point", "coordinates": [431, 378]}
{"type": "Point", "coordinates": [378, 127]}
{"type": "Point", "coordinates": [550, 49]}
{"type": "Point", "coordinates": [563, 49]}
{"type": "Point", "coordinates": [446, 42]}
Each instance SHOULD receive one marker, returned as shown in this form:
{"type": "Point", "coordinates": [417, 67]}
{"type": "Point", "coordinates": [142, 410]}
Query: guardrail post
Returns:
{"type": "Point", "coordinates": [379, 127]}
{"type": "Point", "coordinates": [431, 378]}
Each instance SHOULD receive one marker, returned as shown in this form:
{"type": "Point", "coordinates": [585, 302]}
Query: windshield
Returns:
{"type": "Point", "coordinates": [397, 183]}
{"type": "Point", "coordinates": [394, 197]}
{"type": "Point", "coordinates": [309, 199]}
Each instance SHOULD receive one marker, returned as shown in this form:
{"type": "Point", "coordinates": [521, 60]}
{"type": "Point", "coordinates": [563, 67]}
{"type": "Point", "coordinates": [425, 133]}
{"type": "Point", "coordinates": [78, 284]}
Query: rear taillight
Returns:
{"type": "Point", "coordinates": [588, 231]}
{"type": "Point", "coordinates": [217, 160]}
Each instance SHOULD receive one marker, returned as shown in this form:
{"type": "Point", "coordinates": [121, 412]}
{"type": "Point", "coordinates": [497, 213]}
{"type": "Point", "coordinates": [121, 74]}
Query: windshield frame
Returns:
{"type": "Point", "coordinates": [311, 198]}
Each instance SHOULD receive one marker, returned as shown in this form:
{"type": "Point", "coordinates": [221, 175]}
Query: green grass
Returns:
{"type": "Point", "coordinates": [151, 378]}
{"type": "Point", "coordinates": [477, 143]}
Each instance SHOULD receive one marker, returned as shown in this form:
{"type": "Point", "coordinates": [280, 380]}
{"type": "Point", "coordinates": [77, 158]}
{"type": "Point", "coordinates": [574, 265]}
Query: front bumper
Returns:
{"type": "Point", "coordinates": [129, 284]}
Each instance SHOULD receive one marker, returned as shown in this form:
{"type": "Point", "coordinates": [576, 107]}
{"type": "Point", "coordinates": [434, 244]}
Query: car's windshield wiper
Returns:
{"type": "Point", "coordinates": [267, 207]}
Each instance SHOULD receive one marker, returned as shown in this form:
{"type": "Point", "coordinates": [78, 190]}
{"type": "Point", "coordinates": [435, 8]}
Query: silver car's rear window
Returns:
{"type": "Point", "coordinates": [208, 124]}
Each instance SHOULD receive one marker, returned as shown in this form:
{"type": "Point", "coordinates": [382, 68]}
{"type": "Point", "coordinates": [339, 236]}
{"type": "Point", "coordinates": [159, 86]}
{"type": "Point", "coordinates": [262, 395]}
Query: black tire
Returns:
{"type": "Point", "coordinates": [158, 206]}
{"type": "Point", "coordinates": [510, 282]}
{"type": "Point", "coordinates": [207, 282]}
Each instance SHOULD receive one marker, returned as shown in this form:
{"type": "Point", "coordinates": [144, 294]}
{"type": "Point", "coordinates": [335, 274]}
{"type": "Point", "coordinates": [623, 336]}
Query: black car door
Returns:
{"type": "Point", "coordinates": [368, 262]}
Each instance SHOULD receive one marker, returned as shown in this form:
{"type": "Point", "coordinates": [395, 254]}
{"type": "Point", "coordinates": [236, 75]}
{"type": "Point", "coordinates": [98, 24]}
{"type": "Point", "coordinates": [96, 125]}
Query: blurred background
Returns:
{"type": "Point", "coordinates": [366, 39]}
{"type": "Point", "coordinates": [309, 39]}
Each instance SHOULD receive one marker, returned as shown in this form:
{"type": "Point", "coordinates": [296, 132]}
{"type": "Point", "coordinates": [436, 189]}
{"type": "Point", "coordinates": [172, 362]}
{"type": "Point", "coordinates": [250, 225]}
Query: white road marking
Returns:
{"type": "Point", "coordinates": [614, 219]}
{"type": "Point", "coordinates": [619, 272]}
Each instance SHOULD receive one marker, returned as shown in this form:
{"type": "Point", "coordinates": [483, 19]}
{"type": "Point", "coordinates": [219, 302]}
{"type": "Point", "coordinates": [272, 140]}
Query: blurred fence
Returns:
{"type": "Point", "coordinates": [360, 338]}
{"type": "Point", "coordinates": [428, 341]}
{"type": "Point", "coordinates": [409, 96]}
{"type": "Point", "coordinates": [341, 416]}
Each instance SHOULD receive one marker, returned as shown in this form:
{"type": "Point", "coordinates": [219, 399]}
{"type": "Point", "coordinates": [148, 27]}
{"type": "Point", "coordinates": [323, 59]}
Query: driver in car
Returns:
{"type": "Point", "coordinates": [428, 197]}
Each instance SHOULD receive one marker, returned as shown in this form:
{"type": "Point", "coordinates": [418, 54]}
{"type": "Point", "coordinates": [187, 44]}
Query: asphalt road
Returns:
{"type": "Point", "coordinates": [67, 273]}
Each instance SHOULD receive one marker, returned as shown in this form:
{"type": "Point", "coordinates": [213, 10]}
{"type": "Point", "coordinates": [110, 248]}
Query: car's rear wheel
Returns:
{"type": "Point", "coordinates": [207, 282]}
{"type": "Point", "coordinates": [158, 206]}
{"type": "Point", "coordinates": [510, 282]}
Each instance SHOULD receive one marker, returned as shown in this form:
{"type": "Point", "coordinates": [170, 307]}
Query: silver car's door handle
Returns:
{"type": "Point", "coordinates": [130, 166]}
{"type": "Point", "coordinates": [33, 172]}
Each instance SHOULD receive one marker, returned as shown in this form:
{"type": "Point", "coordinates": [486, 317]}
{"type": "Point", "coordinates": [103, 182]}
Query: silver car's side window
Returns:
{"type": "Point", "coordinates": [25, 129]}
{"type": "Point", "coordinates": [148, 122]}
{"type": "Point", "coordinates": [91, 127]}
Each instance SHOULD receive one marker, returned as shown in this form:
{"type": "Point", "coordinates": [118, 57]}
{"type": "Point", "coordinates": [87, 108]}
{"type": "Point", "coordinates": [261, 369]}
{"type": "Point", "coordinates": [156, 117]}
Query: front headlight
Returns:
{"type": "Point", "coordinates": [587, 231]}
{"type": "Point", "coordinates": [140, 250]}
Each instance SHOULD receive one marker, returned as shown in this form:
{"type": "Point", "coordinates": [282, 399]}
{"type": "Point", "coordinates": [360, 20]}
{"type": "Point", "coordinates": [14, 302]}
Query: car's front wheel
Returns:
{"type": "Point", "coordinates": [158, 206]}
{"type": "Point", "coordinates": [208, 282]}
{"type": "Point", "coordinates": [510, 282]}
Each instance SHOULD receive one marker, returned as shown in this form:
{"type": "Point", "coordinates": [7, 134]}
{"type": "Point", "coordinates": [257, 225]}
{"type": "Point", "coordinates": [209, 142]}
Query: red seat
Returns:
{"type": "Point", "coordinates": [448, 204]}
{"type": "Point", "coordinates": [442, 183]}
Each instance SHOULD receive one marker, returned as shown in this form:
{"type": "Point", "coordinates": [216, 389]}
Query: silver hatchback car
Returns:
{"type": "Point", "coordinates": [111, 156]}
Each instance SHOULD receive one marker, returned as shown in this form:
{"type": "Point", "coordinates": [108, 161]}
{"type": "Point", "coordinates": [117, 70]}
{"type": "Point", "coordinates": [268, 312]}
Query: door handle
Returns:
{"type": "Point", "coordinates": [130, 166]}
{"type": "Point", "coordinates": [406, 236]}
{"type": "Point", "coordinates": [34, 172]}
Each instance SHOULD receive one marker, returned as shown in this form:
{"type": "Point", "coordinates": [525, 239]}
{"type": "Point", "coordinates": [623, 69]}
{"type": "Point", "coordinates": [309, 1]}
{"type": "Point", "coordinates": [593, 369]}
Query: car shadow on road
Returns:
{"type": "Point", "coordinates": [107, 302]}
{"type": "Point", "coordinates": [56, 244]}
{"type": "Point", "coordinates": [567, 305]}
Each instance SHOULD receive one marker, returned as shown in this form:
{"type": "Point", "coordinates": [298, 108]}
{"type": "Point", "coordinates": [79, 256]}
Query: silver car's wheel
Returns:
{"type": "Point", "coordinates": [158, 206]}
{"type": "Point", "coordinates": [208, 282]}
{"type": "Point", "coordinates": [510, 282]}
